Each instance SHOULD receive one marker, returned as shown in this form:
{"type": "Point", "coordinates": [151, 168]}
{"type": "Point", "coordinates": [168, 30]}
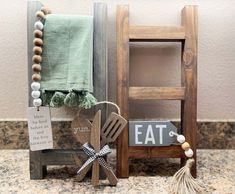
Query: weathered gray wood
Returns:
{"type": "Point", "coordinates": [151, 133]}
{"type": "Point", "coordinates": [100, 56]}
{"type": "Point", "coordinates": [62, 157]}
{"type": "Point", "coordinates": [100, 60]}
{"type": "Point", "coordinates": [37, 171]}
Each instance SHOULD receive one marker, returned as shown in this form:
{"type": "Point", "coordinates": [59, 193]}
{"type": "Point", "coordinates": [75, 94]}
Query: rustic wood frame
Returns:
{"type": "Point", "coordinates": [187, 93]}
{"type": "Point", "coordinates": [40, 159]}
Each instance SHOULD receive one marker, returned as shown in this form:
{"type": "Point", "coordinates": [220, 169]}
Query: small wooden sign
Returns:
{"type": "Point", "coordinates": [151, 133]}
{"type": "Point", "coordinates": [81, 129]}
{"type": "Point", "coordinates": [40, 130]}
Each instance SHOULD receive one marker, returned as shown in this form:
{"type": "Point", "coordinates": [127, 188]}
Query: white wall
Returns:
{"type": "Point", "coordinates": [216, 57]}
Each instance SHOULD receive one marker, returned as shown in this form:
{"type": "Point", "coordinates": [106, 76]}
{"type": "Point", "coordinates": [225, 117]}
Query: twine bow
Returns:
{"type": "Point", "coordinates": [95, 156]}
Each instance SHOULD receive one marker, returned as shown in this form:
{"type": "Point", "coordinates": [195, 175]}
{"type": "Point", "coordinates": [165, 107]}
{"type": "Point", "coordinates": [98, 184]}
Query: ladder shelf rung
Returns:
{"type": "Point", "coordinates": [156, 93]}
{"type": "Point", "coordinates": [156, 33]}
{"type": "Point", "coordinates": [173, 151]}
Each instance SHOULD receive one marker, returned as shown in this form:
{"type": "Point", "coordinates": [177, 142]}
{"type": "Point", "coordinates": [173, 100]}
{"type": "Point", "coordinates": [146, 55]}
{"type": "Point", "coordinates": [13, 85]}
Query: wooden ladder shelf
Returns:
{"type": "Point", "coordinates": [187, 93]}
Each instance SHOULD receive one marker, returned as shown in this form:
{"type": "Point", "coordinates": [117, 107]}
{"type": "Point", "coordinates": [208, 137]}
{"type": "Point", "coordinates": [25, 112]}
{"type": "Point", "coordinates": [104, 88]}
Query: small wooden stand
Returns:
{"type": "Point", "coordinates": [187, 93]}
{"type": "Point", "coordinates": [40, 159]}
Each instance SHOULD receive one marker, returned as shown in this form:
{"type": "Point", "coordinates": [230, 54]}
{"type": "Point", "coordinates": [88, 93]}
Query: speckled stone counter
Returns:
{"type": "Point", "coordinates": [210, 135]}
{"type": "Point", "coordinates": [216, 169]}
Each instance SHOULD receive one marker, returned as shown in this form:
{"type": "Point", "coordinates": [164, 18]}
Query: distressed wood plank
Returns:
{"type": "Point", "coordinates": [95, 142]}
{"type": "Point", "coordinates": [122, 28]}
{"type": "Point", "coordinates": [156, 93]}
{"type": "Point", "coordinates": [156, 33]}
{"type": "Point", "coordinates": [100, 56]}
{"type": "Point", "coordinates": [189, 78]}
{"type": "Point", "coordinates": [63, 157]}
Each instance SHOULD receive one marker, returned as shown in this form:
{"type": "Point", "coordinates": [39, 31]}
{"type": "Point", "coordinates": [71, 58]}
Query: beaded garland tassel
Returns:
{"type": "Point", "coordinates": [183, 182]}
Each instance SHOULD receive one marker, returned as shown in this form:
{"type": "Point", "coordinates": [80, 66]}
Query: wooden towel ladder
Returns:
{"type": "Point", "coordinates": [187, 93]}
{"type": "Point", "coordinates": [39, 160]}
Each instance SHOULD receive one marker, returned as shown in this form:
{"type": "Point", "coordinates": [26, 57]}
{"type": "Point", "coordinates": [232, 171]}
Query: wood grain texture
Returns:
{"type": "Point", "coordinates": [95, 142]}
{"type": "Point", "coordinates": [156, 93]}
{"type": "Point", "coordinates": [156, 152]}
{"type": "Point", "coordinates": [81, 129]}
{"type": "Point", "coordinates": [62, 157]}
{"type": "Point", "coordinates": [156, 33]}
{"type": "Point", "coordinates": [37, 170]}
{"type": "Point", "coordinates": [122, 28]}
{"type": "Point", "coordinates": [100, 57]}
{"type": "Point", "coordinates": [112, 128]}
{"type": "Point", "coordinates": [111, 176]}
{"type": "Point", "coordinates": [189, 78]}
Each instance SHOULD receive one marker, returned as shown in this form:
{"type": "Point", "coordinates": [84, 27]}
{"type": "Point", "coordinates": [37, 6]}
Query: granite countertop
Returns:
{"type": "Point", "coordinates": [216, 169]}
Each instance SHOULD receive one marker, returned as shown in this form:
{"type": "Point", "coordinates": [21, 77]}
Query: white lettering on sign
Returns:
{"type": "Point", "coordinates": [149, 135]}
{"type": "Point", "coordinates": [160, 132]}
{"type": "Point", "coordinates": [137, 133]}
{"type": "Point", "coordinates": [40, 131]}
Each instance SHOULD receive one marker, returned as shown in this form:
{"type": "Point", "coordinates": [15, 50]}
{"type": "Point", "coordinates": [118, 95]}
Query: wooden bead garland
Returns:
{"type": "Point", "coordinates": [40, 14]}
{"type": "Point", "coordinates": [45, 10]}
{"type": "Point", "coordinates": [37, 50]}
{"type": "Point", "coordinates": [184, 145]}
{"type": "Point", "coordinates": [36, 68]}
{"type": "Point", "coordinates": [37, 102]}
{"type": "Point", "coordinates": [37, 33]}
{"type": "Point", "coordinates": [35, 94]}
{"type": "Point", "coordinates": [37, 59]}
{"type": "Point", "coordinates": [38, 25]}
{"type": "Point", "coordinates": [38, 42]}
{"type": "Point", "coordinates": [35, 86]}
{"type": "Point", "coordinates": [36, 77]}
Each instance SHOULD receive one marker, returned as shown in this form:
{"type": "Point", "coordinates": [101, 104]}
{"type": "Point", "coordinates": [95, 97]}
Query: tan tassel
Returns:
{"type": "Point", "coordinates": [184, 183]}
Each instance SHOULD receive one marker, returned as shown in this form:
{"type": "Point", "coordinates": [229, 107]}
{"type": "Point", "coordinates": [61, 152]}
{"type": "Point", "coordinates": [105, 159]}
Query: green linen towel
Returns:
{"type": "Point", "coordinates": [67, 61]}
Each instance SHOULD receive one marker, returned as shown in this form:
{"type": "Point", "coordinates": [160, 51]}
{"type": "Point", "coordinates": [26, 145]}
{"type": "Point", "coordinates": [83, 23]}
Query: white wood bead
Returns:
{"type": "Point", "coordinates": [37, 102]}
{"type": "Point", "coordinates": [38, 25]}
{"type": "Point", "coordinates": [35, 94]}
{"type": "Point", "coordinates": [35, 86]}
{"type": "Point", "coordinates": [180, 138]}
{"type": "Point", "coordinates": [188, 153]}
